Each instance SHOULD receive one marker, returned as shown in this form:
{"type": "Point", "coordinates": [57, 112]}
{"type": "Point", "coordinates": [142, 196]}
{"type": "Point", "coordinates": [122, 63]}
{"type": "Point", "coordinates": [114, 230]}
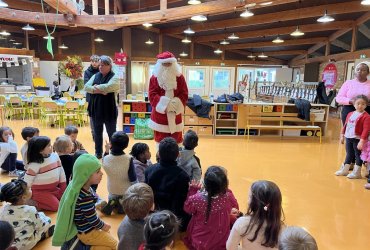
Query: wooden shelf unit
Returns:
{"type": "Point", "coordinates": [202, 126]}
{"type": "Point", "coordinates": [131, 110]}
{"type": "Point", "coordinates": [226, 119]}
{"type": "Point", "coordinates": [282, 114]}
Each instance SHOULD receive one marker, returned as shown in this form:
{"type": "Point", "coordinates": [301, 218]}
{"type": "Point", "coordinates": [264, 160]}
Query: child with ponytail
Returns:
{"type": "Point", "coordinates": [209, 226]}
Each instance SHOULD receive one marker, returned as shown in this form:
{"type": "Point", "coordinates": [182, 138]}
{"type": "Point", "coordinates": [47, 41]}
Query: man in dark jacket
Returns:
{"type": "Point", "coordinates": [169, 182]}
{"type": "Point", "coordinates": [91, 70]}
{"type": "Point", "coordinates": [103, 87]}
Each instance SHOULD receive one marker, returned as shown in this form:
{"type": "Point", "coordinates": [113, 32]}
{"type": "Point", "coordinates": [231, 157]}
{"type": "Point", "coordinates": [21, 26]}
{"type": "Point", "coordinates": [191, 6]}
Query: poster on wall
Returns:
{"type": "Point", "coordinates": [330, 75]}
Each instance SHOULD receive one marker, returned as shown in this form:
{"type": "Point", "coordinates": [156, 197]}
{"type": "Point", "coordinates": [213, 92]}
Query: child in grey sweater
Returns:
{"type": "Point", "coordinates": [187, 160]}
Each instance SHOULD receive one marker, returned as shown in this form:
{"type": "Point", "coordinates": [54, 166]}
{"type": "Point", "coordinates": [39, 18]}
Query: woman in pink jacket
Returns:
{"type": "Point", "coordinates": [352, 88]}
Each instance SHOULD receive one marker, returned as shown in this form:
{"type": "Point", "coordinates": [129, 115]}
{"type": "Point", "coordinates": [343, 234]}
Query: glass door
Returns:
{"type": "Point", "coordinates": [197, 78]}
{"type": "Point", "coordinates": [222, 80]}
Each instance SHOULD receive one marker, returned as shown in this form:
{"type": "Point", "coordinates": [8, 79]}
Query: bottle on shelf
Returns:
{"type": "Point", "coordinates": [211, 97]}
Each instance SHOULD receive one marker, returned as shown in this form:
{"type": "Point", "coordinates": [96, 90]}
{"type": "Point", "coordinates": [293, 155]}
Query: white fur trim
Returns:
{"type": "Point", "coordinates": [167, 60]}
{"type": "Point", "coordinates": [164, 128]}
{"type": "Point", "coordinates": [162, 104]}
{"type": "Point", "coordinates": [179, 106]}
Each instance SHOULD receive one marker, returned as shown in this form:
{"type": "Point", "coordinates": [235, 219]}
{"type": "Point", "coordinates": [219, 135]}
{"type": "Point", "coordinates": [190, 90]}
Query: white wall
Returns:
{"type": "Point", "coordinates": [49, 71]}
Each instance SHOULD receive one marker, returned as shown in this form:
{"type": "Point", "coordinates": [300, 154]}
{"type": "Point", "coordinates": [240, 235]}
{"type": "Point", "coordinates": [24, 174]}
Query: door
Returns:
{"type": "Point", "coordinates": [197, 78]}
{"type": "Point", "coordinates": [222, 80]}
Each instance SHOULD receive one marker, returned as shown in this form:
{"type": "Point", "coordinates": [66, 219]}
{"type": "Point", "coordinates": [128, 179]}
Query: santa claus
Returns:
{"type": "Point", "coordinates": [168, 94]}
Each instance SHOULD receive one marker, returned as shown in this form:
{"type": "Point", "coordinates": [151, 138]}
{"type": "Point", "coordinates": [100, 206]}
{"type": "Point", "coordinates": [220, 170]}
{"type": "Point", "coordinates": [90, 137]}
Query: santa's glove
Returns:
{"type": "Point", "coordinates": [175, 106]}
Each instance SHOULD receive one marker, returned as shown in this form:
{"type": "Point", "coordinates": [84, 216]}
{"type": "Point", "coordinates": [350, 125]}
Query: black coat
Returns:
{"type": "Point", "coordinates": [87, 75]}
{"type": "Point", "coordinates": [170, 187]}
{"type": "Point", "coordinates": [103, 107]}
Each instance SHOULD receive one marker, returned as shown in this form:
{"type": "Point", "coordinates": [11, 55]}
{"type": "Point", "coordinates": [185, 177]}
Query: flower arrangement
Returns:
{"type": "Point", "coordinates": [71, 67]}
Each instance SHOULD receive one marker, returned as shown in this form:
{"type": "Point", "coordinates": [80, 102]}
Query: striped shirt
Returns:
{"type": "Point", "coordinates": [85, 216]}
{"type": "Point", "coordinates": [46, 175]}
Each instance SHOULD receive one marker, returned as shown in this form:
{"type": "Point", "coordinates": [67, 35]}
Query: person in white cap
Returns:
{"type": "Point", "coordinates": [168, 94]}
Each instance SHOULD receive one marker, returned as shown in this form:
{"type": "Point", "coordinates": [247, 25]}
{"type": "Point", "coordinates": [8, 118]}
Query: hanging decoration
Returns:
{"type": "Point", "coordinates": [49, 45]}
{"type": "Point", "coordinates": [329, 75]}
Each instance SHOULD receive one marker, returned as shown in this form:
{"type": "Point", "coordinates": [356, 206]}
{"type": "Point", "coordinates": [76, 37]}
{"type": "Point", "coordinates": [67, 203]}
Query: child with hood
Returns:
{"type": "Point", "coordinates": [77, 214]}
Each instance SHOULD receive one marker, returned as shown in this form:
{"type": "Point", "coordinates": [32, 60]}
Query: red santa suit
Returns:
{"type": "Point", "coordinates": [168, 100]}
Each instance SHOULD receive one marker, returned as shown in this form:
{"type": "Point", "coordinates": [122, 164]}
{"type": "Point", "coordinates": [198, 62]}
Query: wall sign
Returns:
{"type": "Point", "coordinates": [330, 75]}
{"type": "Point", "coordinates": [8, 58]}
{"type": "Point", "coordinates": [120, 58]}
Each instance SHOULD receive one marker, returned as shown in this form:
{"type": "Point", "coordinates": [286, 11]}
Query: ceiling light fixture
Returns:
{"type": "Point", "coordinates": [325, 18]}
{"type": "Point", "coordinates": [262, 55]}
{"type": "Point", "coordinates": [4, 33]}
{"type": "Point", "coordinates": [365, 2]}
{"type": "Point", "coordinates": [46, 37]}
{"type": "Point", "coordinates": [265, 3]}
{"type": "Point", "coordinates": [17, 43]}
{"type": "Point", "coordinates": [3, 4]}
{"type": "Point", "coordinates": [199, 18]}
{"type": "Point", "coordinates": [149, 42]}
{"type": "Point", "coordinates": [98, 39]}
{"type": "Point", "coordinates": [63, 46]}
{"type": "Point", "coordinates": [147, 25]}
{"type": "Point", "coordinates": [278, 40]}
{"type": "Point", "coordinates": [218, 51]}
{"type": "Point", "coordinates": [224, 42]}
{"type": "Point", "coordinates": [186, 40]}
{"type": "Point", "coordinates": [183, 54]}
{"type": "Point", "coordinates": [193, 2]}
{"type": "Point", "coordinates": [233, 37]}
{"type": "Point", "coordinates": [251, 56]}
{"type": "Point", "coordinates": [28, 27]}
{"type": "Point", "coordinates": [11, 40]}
{"type": "Point", "coordinates": [246, 13]}
{"type": "Point", "coordinates": [297, 32]}
{"type": "Point", "coordinates": [189, 31]}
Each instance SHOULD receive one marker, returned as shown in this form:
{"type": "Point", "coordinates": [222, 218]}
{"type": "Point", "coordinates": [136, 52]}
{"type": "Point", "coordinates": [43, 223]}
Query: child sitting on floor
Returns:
{"type": "Point", "coordinates": [30, 226]}
{"type": "Point", "coordinates": [77, 214]}
{"type": "Point", "coordinates": [72, 132]}
{"type": "Point", "coordinates": [63, 146]}
{"type": "Point", "coordinates": [296, 238]}
{"type": "Point", "coordinates": [210, 210]}
{"type": "Point", "coordinates": [27, 133]}
{"type": "Point", "coordinates": [137, 202]}
{"type": "Point", "coordinates": [8, 154]}
{"type": "Point", "coordinates": [160, 231]}
{"type": "Point", "coordinates": [120, 172]}
{"type": "Point", "coordinates": [7, 236]}
{"type": "Point", "coordinates": [140, 152]}
{"type": "Point", "coordinates": [187, 160]}
{"type": "Point", "coordinates": [45, 174]}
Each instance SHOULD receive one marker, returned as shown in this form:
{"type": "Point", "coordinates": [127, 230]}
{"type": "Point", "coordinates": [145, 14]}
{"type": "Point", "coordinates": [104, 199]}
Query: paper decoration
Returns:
{"type": "Point", "coordinates": [8, 64]}
{"type": "Point", "coordinates": [329, 75]}
{"type": "Point", "coordinates": [16, 63]}
{"type": "Point", "coordinates": [24, 62]}
{"type": "Point", "coordinates": [8, 58]}
{"type": "Point", "coordinates": [31, 59]}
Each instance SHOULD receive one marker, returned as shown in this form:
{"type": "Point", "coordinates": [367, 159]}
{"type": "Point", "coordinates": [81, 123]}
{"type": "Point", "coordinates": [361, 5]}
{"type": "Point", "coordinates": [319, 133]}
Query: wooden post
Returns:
{"type": "Point", "coordinates": [192, 51]}
{"type": "Point", "coordinates": [160, 43]}
{"type": "Point", "coordinates": [26, 40]}
{"type": "Point", "coordinates": [106, 7]}
{"type": "Point", "coordinates": [59, 44]}
{"type": "Point", "coordinates": [95, 7]}
{"type": "Point", "coordinates": [93, 48]}
{"type": "Point", "coordinates": [163, 4]}
{"type": "Point", "coordinates": [126, 39]}
{"type": "Point", "coordinates": [223, 55]}
{"type": "Point", "coordinates": [354, 38]}
{"type": "Point", "coordinates": [327, 49]}
{"type": "Point", "coordinates": [115, 7]}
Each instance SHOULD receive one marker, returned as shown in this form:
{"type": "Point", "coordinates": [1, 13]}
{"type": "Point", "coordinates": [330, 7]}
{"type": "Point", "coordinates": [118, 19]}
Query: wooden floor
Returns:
{"type": "Point", "coordinates": [335, 210]}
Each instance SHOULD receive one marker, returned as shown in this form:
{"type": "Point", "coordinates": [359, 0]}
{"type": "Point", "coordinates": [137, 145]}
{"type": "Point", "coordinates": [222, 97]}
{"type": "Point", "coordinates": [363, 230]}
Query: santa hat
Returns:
{"type": "Point", "coordinates": [166, 57]}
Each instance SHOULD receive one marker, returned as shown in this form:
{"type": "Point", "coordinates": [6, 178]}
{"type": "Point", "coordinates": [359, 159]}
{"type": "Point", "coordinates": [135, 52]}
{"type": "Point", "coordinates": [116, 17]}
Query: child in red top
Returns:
{"type": "Point", "coordinates": [355, 131]}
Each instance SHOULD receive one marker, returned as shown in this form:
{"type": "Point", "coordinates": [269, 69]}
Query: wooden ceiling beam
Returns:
{"type": "Point", "coordinates": [280, 31]}
{"type": "Point", "coordinates": [341, 44]}
{"type": "Point", "coordinates": [292, 42]}
{"type": "Point", "coordinates": [65, 6]}
{"type": "Point", "coordinates": [114, 21]}
{"type": "Point", "coordinates": [364, 30]}
{"type": "Point", "coordinates": [315, 11]}
{"type": "Point", "coordinates": [24, 5]}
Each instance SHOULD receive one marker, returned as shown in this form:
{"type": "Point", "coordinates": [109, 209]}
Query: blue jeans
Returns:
{"type": "Point", "coordinates": [11, 163]}
{"type": "Point", "coordinates": [98, 132]}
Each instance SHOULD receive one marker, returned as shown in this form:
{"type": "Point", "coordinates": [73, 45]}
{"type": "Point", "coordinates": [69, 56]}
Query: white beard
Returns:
{"type": "Point", "coordinates": [166, 76]}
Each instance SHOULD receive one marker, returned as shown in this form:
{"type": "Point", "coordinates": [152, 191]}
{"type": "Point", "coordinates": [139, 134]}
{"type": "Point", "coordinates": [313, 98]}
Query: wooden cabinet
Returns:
{"type": "Point", "coordinates": [132, 110]}
{"type": "Point", "coordinates": [202, 126]}
{"type": "Point", "coordinates": [226, 119]}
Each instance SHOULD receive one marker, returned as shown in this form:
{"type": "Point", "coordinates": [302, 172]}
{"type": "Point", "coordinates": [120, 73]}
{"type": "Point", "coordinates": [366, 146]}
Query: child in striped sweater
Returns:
{"type": "Point", "coordinates": [45, 174]}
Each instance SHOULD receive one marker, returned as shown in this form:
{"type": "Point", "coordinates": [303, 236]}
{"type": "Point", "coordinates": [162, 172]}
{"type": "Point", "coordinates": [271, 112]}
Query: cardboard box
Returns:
{"type": "Point", "coordinates": [188, 111]}
{"type": "Point", "coordinates": [205, 121]}
{"type": "Point", "coordinates": [126, 108]}
{"type": "Point", "coordinates": [291, 132]}
{"type": "Point", "coordinates": [205, 130]}
{"type": "Point", "coordinates": [191, 120]}
{"type": "Point", "coordinates": [194, 128]}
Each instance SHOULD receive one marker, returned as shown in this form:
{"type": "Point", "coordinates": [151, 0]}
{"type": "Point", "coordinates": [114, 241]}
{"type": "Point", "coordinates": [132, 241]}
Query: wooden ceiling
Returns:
{"type": "Point", "coordinates": [172, 17]}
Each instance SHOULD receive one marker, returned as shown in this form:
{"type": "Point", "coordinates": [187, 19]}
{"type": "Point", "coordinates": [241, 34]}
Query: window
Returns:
{"type": "Point", "coordinates": [221, 79]}
{"type": "Point", "coordinates": [196, 78]}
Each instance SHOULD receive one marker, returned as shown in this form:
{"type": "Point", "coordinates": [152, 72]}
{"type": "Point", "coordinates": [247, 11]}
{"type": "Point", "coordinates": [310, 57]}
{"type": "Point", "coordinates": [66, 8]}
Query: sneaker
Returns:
{"type": "Point", "coordinates": [107, 209]}
{"type": "Point", "coordinates": [99, 156]}
{"type": "Point", "coordinates": [14, 173]}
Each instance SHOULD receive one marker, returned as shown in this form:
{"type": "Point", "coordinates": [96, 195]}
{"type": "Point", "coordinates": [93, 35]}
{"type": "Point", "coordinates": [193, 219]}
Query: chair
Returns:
{"type": "Point", "coordinates": [70, 112]}
{"type": "Point", "coordinates": [35, 107]}
{"type": "Point", "coordinates": [78, 96]}
{"type": "Point", "coordinates": [83, 113]}
{"type": "Point", "coordinates": [16, 104]}
{"type": "Point", "coordinates": [50, 111]}
{"type": "Point", "coordinates": [2, 108]}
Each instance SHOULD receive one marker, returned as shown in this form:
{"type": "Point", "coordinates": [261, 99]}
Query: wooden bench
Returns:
{"type": "Point", "coordinates": [279, 127]}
